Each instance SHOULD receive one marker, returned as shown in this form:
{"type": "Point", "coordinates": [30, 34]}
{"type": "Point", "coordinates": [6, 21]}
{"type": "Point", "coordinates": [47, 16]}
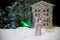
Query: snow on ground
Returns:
{"type": "Point", "coordinates": [23, 33]}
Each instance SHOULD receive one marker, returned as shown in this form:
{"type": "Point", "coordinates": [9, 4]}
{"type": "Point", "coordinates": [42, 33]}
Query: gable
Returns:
{"type": "Point", "coordinates": [41, 6]}
{"type": "Point", "coordinates": [43, 3]}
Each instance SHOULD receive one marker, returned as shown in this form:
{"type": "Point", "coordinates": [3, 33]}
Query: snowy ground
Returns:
{"type": "Point", "coordinates": [24, 33]}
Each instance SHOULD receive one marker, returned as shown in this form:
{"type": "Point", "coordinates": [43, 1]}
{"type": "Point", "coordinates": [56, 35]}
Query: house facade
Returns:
{"type": "Point", "coordinates": [42, 11]}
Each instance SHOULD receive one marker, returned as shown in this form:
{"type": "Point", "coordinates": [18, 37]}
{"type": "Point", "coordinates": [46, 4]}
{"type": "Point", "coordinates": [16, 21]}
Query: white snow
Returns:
{"type": "Point", "coordinates": [23, 33]}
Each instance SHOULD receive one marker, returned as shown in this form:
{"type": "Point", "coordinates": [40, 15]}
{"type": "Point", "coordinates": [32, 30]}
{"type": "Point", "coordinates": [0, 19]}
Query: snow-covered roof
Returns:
{"type": "Point", "coordinates": [42, 2]}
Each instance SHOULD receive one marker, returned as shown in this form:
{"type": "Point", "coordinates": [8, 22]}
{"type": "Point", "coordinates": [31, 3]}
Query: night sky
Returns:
{"type": "Point", "coordinates": [5, 3]}
{"type": "Point", "coordinates": [56, 12]}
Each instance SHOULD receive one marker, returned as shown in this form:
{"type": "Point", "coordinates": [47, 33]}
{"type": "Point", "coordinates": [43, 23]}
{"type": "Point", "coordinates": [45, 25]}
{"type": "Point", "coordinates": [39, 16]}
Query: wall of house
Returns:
{"type": "Point", "coordinates": [45, 13]}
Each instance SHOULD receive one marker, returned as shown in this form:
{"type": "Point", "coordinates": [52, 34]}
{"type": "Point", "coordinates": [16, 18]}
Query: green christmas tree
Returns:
{"type": "Point", "coordinates": [23, 12]}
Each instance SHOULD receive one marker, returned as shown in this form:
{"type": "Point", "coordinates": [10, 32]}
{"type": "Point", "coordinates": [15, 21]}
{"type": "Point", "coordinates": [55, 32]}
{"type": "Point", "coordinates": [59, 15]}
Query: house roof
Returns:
{"type": "Point", "coordinates": [42, 2]}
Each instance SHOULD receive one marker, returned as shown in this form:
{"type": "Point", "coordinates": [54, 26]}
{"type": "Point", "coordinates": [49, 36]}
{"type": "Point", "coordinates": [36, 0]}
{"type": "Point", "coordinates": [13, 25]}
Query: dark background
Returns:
{"type": "Point", "coordinates": [56, 12]}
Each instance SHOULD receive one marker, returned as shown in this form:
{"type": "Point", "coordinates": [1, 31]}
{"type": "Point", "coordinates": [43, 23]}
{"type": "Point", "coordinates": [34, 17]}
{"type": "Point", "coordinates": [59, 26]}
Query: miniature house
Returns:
{"type": "Point", "coordinates": [42, 11]}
